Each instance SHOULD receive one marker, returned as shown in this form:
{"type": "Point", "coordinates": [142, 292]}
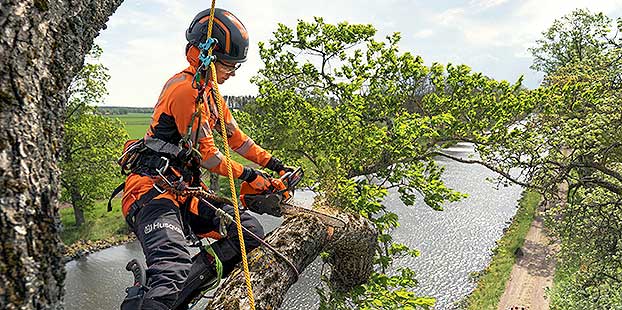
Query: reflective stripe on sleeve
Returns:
{"type": "Point", "coordinates": [245, 147]}
{"type": "Point", "coordinates": [212, 161]}
{"type": "Point", "coordinates": [204, 131]}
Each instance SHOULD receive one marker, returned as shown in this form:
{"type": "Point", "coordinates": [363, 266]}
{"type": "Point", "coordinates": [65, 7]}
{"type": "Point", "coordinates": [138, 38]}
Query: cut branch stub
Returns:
{"type": "Point", "coordinates": [301, 239]}
{"type": "Point", "coordinates": [351, 253]}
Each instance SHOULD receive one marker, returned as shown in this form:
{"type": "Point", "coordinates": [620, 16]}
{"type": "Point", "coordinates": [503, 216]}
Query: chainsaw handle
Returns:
{"type": "Point", "coordinates": [137, 270]}
{"type": "Point", "coordinates": [285, 176]}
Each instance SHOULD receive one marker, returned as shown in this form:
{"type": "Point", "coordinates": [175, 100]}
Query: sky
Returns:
{"type": "Point", "coordinates": [144, 40]}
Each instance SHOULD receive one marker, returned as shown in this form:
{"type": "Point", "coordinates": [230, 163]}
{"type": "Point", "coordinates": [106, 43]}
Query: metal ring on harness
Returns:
{"type": "Point", "coordinates": [225, 220]}
{"type": "Point", "coordinates": [160, 172]}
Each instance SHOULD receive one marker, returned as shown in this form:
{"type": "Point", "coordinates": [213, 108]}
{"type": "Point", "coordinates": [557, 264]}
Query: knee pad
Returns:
{"type": "Point", "coordinates": [252, 224]}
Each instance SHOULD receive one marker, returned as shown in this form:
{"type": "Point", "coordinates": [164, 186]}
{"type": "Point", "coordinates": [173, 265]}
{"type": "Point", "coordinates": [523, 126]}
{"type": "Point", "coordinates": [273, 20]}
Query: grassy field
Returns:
{"type": "Point", "coordinates": [135, 123]}
{"type": "Point", "coordinates": [100, 224]}
{"type": "Point", "coordinates": [491, 282]}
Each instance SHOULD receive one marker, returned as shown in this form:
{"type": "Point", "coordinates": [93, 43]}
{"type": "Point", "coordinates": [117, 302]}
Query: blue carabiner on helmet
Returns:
{"type": "Point", "coordinates": [205, 60]}
{"type": "Point", "coordinates": [204, 56]}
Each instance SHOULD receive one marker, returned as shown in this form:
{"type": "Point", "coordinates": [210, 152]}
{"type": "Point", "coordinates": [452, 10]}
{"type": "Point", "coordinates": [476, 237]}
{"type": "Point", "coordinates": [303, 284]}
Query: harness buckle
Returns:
{"type": "Point", "coordinates": [159, 189]}
{"type": "Point", "coordinates": [163, 169]}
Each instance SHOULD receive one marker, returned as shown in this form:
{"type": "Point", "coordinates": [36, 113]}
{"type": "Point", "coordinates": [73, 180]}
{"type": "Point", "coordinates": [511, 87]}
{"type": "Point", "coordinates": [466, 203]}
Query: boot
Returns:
{"type": "Point", "coordinates": [203, 276]}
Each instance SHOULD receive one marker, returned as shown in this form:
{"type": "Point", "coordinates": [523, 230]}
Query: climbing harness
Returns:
{"type": "Point", "coordinates": [179, 188]}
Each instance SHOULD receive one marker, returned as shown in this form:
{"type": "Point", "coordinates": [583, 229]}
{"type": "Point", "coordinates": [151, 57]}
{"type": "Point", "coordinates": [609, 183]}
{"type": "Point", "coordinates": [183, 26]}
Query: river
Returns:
{"type": "Point", "coordinates": [453, 243]}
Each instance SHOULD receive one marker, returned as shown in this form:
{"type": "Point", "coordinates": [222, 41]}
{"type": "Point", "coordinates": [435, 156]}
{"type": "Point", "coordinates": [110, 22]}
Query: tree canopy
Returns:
{"type": "Point", "coordinates": [580, 37]}
{"type": "Point", "coordinates": [364, 118]}
{"type": "Point", "coordinates": [92, 142]}
{"type": "Point", "coordinates": [568, 148]}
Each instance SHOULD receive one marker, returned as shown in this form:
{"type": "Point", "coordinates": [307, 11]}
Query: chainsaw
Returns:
{"type": "Point", "coordinates": [276, 200]}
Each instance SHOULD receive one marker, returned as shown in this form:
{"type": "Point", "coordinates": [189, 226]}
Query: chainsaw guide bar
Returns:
{"type": "Point", "coordinates": [290, 209]}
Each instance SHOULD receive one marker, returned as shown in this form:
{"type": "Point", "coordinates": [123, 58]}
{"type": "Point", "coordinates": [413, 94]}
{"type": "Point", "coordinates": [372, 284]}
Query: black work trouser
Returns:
{"type": "Point", "coordinates": [158, 227]}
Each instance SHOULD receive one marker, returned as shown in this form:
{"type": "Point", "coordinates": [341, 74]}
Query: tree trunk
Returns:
{"type": "Point", "coordinates": [214, 183]}
{"type": "Point", "coordinates": [301, 239]}
{"type": "Point", "coordinates": [76, 201]}
{"type": "Point", "coordinates": [42, 46]}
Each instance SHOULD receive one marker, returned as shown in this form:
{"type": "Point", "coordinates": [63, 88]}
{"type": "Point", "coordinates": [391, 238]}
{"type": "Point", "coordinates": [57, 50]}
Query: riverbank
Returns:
{"type": "Point", "coordinates": [491, 282]}
{"type": "Point", "coordinates": [82, 248]}
{"type": "Point", "coordinates": [101, 230]}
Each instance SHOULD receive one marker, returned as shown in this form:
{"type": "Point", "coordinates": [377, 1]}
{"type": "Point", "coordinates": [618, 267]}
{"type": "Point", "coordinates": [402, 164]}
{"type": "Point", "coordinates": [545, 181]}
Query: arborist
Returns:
{"type": "Point", "coordinates": [178, 143]}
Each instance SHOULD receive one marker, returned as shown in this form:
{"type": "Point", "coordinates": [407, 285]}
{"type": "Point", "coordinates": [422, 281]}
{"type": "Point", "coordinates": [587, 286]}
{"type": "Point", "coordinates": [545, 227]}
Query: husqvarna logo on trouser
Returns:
{"type": "Point", "coordinates": [160, 225]}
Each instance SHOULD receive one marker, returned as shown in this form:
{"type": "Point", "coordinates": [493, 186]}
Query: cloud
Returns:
{"type": "Point", "coordinates": [143, 45]}
{"type": "Point", "coordinates": [451, 16]}
{"type": "Point", "coordinates": [485, 4]}
{"type": "Point", "coordinates": [539, 15]}
{"type": "Point", "coordinates": [424, 33]}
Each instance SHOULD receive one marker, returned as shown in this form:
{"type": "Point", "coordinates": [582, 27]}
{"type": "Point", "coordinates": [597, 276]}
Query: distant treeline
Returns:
{"type": "Point", "coordinates": [122, 110]}
{"type": "Point", "coordinates": [234, 102]}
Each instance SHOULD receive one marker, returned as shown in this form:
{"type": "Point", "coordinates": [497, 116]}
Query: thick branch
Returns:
{"type": "Point", "coordinates": [301, 239]}
{"type": "Point", "coordinates": [487, 165]}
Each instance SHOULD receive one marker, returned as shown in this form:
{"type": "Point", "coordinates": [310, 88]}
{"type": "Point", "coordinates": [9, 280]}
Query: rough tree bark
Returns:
{"type": "Point", "coordinates": [301, 239]}
{"type": "Point", "coordinates": [42, 47]}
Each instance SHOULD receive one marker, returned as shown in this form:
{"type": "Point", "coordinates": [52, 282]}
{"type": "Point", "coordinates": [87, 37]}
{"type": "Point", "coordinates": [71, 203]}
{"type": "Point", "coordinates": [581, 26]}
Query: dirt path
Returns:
{"type": "Point", "coordinates": [532, 273]}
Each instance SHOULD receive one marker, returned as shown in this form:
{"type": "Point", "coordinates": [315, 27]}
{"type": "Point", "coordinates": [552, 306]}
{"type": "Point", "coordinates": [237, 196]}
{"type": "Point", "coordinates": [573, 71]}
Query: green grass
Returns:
{"type": "Point", "coordinates": [135, 123]}
{"type": "Point", "coordinates": [491, 282]}
{"type": "Point", "coordinates": [100, 224]}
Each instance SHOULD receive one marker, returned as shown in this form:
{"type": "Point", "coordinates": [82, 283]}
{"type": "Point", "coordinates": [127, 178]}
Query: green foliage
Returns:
{"type": "Point", "coordinates": [380, 292]}
{"type": "Point", "coordinates": [578, 37]}
{"type": "Point", "coordinates": [573, 139]}
{"type": "Point", "coordinates": [363, 118]}
{"type": "Point", "coordinates": [570, 291]}
{"type": "Point", "coordinates": [491, 281]}
{"type": "Point", "coordinates": [569, 149]}
{"type": "Point", "coordinates": [92, 142]}
{"type": "Point", "coordinates": [123, 110]}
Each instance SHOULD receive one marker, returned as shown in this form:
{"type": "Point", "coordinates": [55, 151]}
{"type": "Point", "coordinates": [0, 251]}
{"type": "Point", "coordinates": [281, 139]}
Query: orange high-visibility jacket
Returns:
{"type": "Point", "coordinates": [170, 121]}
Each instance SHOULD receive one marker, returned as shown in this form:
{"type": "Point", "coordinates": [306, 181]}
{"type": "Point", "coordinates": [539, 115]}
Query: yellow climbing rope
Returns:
{"type": "Point", "coordinates": [221, 108]}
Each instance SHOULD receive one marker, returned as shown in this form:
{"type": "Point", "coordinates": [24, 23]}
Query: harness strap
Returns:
{"type": "Point", "coordinates": [138, 204]}
{"type": "Point", "coordinates": [115, 192]}
{"type": "Point", "coordinates": [161, 146]}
